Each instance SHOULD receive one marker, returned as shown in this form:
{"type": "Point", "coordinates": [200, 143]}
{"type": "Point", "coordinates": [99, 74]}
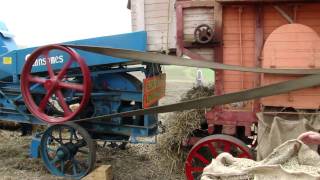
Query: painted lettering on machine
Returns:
{"type": "Point", "coordinates": [58, 59]}
{"type": "Point", "coordinates": [153, 89]}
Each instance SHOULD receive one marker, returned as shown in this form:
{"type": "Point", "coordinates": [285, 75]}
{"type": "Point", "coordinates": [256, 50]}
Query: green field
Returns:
{"type": "Point", "coordinates": [188, 74]}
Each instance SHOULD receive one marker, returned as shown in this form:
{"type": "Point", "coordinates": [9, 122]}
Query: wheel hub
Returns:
{"type": "Point", "coordinates": [51, 83]}
{"type": "Point", "coordinates": [63, 153]}
{"type": "Point", "coordinates": [66, 151]}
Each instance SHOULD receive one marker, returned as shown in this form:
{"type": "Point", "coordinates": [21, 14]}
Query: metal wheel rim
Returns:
{"type": "Point", "coordinates": [205, 142]}
{"type": "Point", "coordinates": [56, 168]}
{"type": "Point", "coordinates": [27, 79]}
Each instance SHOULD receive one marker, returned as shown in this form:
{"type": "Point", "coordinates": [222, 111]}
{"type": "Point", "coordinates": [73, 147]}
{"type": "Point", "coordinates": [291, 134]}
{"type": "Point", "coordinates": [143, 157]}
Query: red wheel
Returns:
{"type": "Point", "coordinates": [53, 81]}
{"type": "Point", "coordinates": [209, 147]}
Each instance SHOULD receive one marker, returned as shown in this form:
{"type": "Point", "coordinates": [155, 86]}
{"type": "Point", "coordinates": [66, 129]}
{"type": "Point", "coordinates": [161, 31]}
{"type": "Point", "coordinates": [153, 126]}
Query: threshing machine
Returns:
{"type": "Point", "coordinates": [59, 84]}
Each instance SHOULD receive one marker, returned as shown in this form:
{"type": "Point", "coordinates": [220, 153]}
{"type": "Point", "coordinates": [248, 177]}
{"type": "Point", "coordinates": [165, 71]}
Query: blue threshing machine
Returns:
{"type": "Point", "coordinates": [53, 84]}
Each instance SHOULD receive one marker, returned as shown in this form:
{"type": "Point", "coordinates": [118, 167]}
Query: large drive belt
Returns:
{"type": "Point", "coordinates": [173, 60]}
{"type": "Point", "coordinates": [207, 102]}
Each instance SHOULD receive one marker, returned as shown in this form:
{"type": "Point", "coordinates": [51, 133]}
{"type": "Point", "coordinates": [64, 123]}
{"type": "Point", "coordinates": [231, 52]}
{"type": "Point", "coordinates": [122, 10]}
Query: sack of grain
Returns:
{"type": "Point", "coordinates": [292, 160]}
{"type": "Point", "coordinates": [275, 130]}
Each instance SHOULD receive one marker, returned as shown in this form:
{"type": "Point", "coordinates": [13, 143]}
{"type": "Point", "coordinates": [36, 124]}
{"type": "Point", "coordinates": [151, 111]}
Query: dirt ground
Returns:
{"type": "Point", "coordinates": [136, 162]}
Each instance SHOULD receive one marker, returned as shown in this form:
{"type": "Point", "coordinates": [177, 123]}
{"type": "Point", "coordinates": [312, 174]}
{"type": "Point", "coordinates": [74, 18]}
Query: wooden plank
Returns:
{"type": "Point", "coordinates": [198, 11]}
{"type": "Point", "coordinates": [190, 4]}
{"type": "Point", "coordinates": [157, 27]}
{"type": "Point", "coordinates": [156, 2]}
{"type": "Point", "coordinates": [156, 7]}
{"type": "Point", "coordinates": [103, 172]}
{"type": "Point", "coordinates": [156, 13]}
{"type": "Point", "coordinates": [156, 20]}
{"type": "Point", "coordinates": [203, 17]}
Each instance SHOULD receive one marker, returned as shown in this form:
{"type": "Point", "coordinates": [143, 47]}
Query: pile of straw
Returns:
{"type": "Point", "coordinates": [179, 127]}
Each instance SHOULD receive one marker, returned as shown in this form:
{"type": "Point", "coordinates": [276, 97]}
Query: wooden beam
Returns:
{"type": "Point", "coordinates": [196, 4]}
{"type": "Point", "coordinates": [193, 55]}
{"type": "Point", "coordinates": [284, 14]}
{"type": "Point", "coordinates": [179, 24]}
{"type": "Point", "coordinates": [103, 172]}
{"type": "Point", "coordinates": [218, 52]}
{"type": "Point", "coordinates": [258, 49]}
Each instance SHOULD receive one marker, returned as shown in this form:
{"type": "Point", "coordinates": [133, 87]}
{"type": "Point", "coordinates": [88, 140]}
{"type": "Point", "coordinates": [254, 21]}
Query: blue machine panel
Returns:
{"type": "Point", "coordinates": [12, 62]}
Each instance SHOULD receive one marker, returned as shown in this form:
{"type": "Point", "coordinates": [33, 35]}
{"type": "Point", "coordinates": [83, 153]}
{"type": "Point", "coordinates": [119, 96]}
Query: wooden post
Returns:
{"type": "Point", "coordinates": [258, 49]}
{"type": "Point", "coordinates": [103, 172]}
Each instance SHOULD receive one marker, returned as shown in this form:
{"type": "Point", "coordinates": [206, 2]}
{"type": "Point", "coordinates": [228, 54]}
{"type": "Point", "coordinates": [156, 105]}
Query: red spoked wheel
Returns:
{"type": "Point", "coordinates": [46, 68]}
{"type": "Point", "coordinates": [209, 147]}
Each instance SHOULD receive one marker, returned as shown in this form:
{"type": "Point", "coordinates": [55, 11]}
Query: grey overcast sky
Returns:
{"type": "Point", "coordinates": [38, 22]}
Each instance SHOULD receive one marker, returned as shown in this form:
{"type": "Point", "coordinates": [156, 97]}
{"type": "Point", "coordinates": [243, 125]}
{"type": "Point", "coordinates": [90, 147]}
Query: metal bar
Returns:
{"type": "Point", "coordinates": [15, 106]}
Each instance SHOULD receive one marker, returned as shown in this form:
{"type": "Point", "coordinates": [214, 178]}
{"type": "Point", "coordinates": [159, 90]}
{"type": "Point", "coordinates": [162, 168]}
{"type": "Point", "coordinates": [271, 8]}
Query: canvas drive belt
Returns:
{"type": "Point", "coordinates": [311, 78]}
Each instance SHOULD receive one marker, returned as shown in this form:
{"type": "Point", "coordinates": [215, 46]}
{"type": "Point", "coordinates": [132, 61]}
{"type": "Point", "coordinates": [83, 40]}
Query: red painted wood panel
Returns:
{"type": "Point", "coordinates": [237, 81]}
{"type": "Point", "coordinates": [292, 46]}
{"type": "Point", "coordinates": [308, 14]}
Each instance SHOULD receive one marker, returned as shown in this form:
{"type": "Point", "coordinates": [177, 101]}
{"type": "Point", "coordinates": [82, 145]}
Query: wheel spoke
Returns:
{"type": "Point", "coordinates": [44, 101]}
{"type": "Point", "coordinates": [50, 149]}
{"type": "Point", "coordinates": [60, 135]}
{"type": "Point", "coordinates": [212, 150]}
{"type": "Point", "coordinates": [201, 158]}
{"type": "Point", "coordinates": [71, 135]}
{"type": "Point", "coordinates": [63, 103]}
{"type": "Point", "coordinates": [69, 85]}
{"type": "Point", "coordinates": [196, 169]}
{"type": "Point", "coordinates": [242, 155]}
{"type": "Point", "coordinates": [64, 69]}
{"type": "Point", "coordinates": [48, 64]}
{"type": "Point", "coordinates": [227, 147]}
{"type": "Point", "coordinates": [74, 167]}
{"type": "Point", "coordinates": [54, 160]}
{"type": "Point", "coordinates": [57, 140]}
{"type": "Point", "coordinates": [83, 151]}
{"type": "Point", "coordinates": [62, 166]}
{"type": "Point", "coordinates": [36, 79]}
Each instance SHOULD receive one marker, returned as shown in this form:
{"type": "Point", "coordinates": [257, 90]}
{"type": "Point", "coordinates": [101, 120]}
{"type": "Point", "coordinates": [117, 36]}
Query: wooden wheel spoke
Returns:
{"type": "Point", "coordinates": [242, 155]}
{"type": "Point", "coordinates": [63, 103]}
{"type": "Point", "coordinates": [196, 169]}
{"type": "Point", "coordinates": [201, 158]}
{"type": "Point", "coordinates": [64, 69]}
{"type": "Point", "coordinates": [48, 63]}
{"type": "Point", "coordinates": [36, 79]}
{"type": "Point", "coordinates": [227, 147]}
{"type": "Point", "coordinates": [68, 85]}
{"type": "Point", "coordinates": [212, 150]}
